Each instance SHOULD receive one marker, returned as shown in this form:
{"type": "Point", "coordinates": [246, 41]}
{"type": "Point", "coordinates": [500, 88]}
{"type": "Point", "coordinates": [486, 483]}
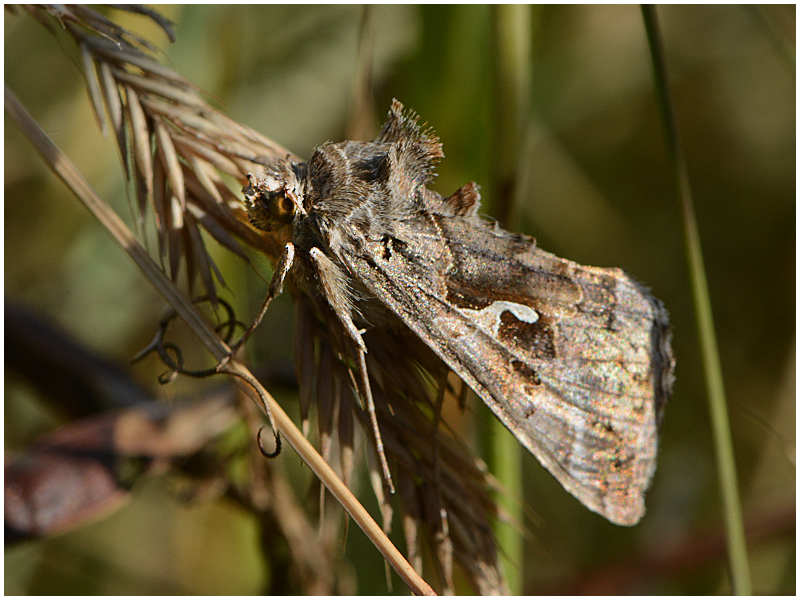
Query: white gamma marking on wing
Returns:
{"type": "Point", "coordinates": [489, 317]}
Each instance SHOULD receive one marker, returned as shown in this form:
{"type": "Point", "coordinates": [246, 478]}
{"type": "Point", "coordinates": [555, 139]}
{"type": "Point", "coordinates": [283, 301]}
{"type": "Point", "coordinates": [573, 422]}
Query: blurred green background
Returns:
{"type": "Point", "coordinates": [596, 190]}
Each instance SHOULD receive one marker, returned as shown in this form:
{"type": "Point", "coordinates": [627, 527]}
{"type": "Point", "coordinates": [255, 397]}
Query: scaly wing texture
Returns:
{"type": "Point", "coordinates": [574, 360]}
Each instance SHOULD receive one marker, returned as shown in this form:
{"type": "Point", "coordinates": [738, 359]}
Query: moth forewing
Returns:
{"type": "Point", "coordinates": [585, 364]}
{"type": "Point", "coordinates": [590, 419]}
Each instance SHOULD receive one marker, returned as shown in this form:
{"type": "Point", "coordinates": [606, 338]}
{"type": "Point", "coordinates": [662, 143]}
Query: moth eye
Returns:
{"type": "Point", "coordinates": [281, 208]}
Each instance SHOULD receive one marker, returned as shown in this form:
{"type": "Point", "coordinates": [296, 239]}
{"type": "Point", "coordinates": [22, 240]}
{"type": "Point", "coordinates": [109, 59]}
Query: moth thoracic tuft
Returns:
{"type": "Point", "coordinates": [575, 361]}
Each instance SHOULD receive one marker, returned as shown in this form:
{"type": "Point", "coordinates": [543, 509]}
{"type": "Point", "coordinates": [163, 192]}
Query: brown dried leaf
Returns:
{"type": "Point", "coordinates": [203, 173]}
{"type": "Point", "coordinates": [47, 493]}
{"type": "Point", "coordinates": [84, 16]}
{"type": "Point", "coordinates": [200, 258]}
{"type": "Point", "coordinates": [218, 232]}
{"type": "Point", "coordinates": [142, 152]}
{"type": "Point", "coordinates": [409, 507]}
{"type": "Point", "coordinates": [169, 158]}
{"type": "Point", "coordinates": [442, 545]}
{"type": "Point", "coordinates": [327, 400]}
{"type": "Point", "coordinates": [165, 24]}
{"type": "Point", "coordinates": [346, 433]}
{"type": "Point", "coordinates": [192, 149]}
{"type": "Point", "coordinates": [160, 208]}
{"type": "Point", "coordinates": [94, 88]}
{"type": "Point", "coordinates": [164, 88]}
{"type": "Point", "coordinates": [270, 148]}
{"type": "Point", "coordinates": [158, 430]}
{"type": "Point", "coordinates": [176, 236]}
{"type": "Point", "coordinates": [68, 478]}
{"type": "Point", "coordinates": [114, 107]}
{"type": "Point", "coordinates": [219, 220]}
{"type": "Point", "coordinates": [122, 53]}
{"type": "Point", "coordinates": [304, 363]}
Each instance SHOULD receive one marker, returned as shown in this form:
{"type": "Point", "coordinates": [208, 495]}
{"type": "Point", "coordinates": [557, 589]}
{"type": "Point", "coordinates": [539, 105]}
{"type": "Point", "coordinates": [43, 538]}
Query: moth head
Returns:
{"type": "Point", "coordinates": [274, 199]}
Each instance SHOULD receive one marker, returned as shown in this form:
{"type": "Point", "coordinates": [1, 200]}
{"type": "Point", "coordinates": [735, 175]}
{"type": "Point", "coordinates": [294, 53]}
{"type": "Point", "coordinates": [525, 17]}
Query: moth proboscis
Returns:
{"type": "Point", "coordinates": [575, 361]}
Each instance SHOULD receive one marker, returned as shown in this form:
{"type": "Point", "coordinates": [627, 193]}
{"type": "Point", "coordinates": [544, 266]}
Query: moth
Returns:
{"type": "Point", "coordinates": [575, 361]}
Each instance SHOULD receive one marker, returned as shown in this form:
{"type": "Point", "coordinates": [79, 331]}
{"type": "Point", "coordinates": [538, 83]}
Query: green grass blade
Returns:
{"type": "Point", "coordinates": [723, 444]}
{"type": "Point", "coordinates": [511, 92]}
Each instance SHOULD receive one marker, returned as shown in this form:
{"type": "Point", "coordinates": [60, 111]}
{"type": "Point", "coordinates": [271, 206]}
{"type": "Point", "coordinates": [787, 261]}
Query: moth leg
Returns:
{"type": "Point", "coordinates": [336, 293]}
{"type": "Point", "coordinates": [373, 417]}
{"type": "Point", "coordinates": [275, 288]}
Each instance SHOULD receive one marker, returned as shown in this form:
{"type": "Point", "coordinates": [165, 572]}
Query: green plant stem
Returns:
{"type": "Point", "coordinates": [72, 178]}
{"type": "Point", "coordinates": [726, 463]}
{"type": "Point", "coordinates": [511, 54]}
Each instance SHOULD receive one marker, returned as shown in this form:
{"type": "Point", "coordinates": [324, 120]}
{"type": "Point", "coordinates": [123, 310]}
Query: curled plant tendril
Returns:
{"type": "Point", "coordinates": [275, 452]}
{"type": "Point", "coordinates": [165, 348]}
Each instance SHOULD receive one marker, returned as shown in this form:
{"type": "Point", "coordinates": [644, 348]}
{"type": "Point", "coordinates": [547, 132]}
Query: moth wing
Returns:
{"type": "Point", "coordinates": [574, 360]}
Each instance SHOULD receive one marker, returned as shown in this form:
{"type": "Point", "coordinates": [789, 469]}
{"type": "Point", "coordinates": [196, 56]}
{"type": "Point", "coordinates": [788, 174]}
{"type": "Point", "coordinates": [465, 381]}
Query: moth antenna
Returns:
{"type": "Point", "coordinates": [373, 417]}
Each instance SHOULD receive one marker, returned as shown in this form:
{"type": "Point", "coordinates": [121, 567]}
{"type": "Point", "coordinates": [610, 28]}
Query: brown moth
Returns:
{"type": "Point", "coordinates": [575, 361]}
